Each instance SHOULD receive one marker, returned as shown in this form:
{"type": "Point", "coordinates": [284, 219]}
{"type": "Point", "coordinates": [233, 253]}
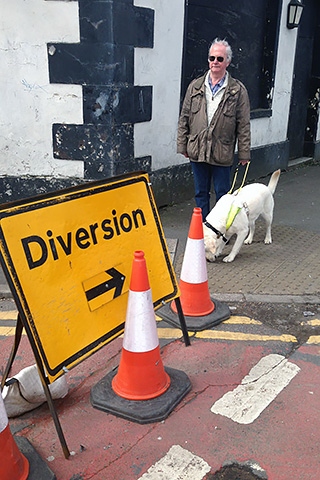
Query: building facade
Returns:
{"type": "Point", "coordinates": [90, 90]}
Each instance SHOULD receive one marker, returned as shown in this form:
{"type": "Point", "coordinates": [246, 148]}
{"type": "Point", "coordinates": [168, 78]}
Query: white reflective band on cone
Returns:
{"type": "Point", "coordinates": [3, 415]}
{"type": "Point", "coordinates": [194, 268]}
{"type": "Point", "coordinates": [140, 330]}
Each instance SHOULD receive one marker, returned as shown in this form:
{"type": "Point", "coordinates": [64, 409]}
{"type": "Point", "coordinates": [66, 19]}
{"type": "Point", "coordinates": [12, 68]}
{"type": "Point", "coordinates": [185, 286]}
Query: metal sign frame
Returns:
{"type": "Point", "coordinates": [22, 256]}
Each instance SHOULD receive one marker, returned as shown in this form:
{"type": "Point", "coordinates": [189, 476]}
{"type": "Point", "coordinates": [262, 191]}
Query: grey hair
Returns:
{"type": "Point", "coordinates": [225, 44]}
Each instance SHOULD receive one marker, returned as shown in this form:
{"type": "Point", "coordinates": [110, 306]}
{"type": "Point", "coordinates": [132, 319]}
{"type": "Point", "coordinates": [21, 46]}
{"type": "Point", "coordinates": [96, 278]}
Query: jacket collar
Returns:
{"type": "Point", "coordinates": [232, 86]}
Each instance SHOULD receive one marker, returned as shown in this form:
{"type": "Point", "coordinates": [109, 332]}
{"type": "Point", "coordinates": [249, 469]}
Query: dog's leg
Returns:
{"type": "Point", "coordinates": [267, 215]}
{"type": "Point", "coordinates": [252, 227]}
{"type": "Point", "coordinates": [268, 237]}
{"type": "Point", "coordinates": [236, 247]}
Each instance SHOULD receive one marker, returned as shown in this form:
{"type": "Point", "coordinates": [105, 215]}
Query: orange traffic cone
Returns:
{"type": "Point", "coordinates": [141, 375]}
{"type": "Point", "coordinates": [13, 465]}
{"type": "Point", "coordinates": [195, 295]}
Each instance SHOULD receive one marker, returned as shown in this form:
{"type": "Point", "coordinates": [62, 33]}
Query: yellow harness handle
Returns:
{"type": "Point", "coordinates": [234, 210]}
{"type": "Point", "coordinates": [236, 174]}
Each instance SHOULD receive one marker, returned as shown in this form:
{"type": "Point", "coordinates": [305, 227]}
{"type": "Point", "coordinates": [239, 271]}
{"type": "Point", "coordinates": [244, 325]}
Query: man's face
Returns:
{"type": "Point", "coordinates": [219, 65]}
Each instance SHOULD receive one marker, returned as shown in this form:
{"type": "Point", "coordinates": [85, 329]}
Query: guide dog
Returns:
{"type": "Point", "coordinates": [236, 214]}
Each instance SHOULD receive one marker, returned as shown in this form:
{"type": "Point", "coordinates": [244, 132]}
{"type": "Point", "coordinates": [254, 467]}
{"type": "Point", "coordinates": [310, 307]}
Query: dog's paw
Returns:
{"type": "Point", "coordinates": [228, 259]}
{"type": "Point", "coordinates": [267, 241]}
{"type": "Point", "coordinates": [248, 241]}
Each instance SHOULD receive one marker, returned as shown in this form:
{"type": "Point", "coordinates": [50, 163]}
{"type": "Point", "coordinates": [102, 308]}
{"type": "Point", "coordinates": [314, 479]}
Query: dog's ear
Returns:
{"type": "Point", "coordinates": [210, 243]}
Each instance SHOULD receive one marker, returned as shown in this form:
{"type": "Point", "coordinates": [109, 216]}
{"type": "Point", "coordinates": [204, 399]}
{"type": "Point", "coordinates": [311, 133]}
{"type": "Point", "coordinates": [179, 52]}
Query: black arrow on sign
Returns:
{"type": "Point", "coordinates": [116, 281]}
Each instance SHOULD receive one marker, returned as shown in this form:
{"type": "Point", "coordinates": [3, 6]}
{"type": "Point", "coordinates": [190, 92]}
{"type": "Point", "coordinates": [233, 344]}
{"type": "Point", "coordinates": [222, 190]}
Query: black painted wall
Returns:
{"type": "Point", "coordinates": [311, 145]}
{"type": "Point", "coordinates": [303, 115]}
{"type": "Point", "coordinates": [250, 27]}
{"type": "Point", "coordinates": [103, 63]}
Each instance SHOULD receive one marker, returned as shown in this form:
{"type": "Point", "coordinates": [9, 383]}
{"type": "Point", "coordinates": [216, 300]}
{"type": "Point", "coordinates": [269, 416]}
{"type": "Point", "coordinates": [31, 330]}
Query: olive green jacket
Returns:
{"type": "Point", "coordinates": [215, 143]}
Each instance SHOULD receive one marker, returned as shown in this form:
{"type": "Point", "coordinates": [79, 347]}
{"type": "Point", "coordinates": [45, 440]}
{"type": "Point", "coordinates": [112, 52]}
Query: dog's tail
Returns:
{"type": "Point", "coordinates": [273, 182]}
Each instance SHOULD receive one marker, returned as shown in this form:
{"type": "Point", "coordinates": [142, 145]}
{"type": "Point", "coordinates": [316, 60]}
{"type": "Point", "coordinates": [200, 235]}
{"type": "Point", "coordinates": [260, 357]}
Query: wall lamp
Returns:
{"type": "Point", "coordinates": [295, 9]}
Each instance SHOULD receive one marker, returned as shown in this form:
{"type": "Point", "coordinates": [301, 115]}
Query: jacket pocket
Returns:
{"type": "Point", "coordinates": [193, 146]}
{"type": "Point", "coordinates": [196, 146]}
{"type": "Point", "coordinates": [223, 152]}
{"type": "Point", "coordinates": [228, 128]}
{"type": "Point", "coordinates": [195, 103]}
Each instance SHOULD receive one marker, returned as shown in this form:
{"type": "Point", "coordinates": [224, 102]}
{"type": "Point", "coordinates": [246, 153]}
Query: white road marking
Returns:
{"type": "Point", "coordinates": [257, 390]}
{"type": "Point", "coordinates": [178, 464]}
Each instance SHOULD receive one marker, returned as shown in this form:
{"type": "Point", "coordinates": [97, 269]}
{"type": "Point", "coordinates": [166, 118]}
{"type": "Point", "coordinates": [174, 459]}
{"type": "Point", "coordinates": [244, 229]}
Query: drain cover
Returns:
{"type": "Point", "coordinates": [236, 472]}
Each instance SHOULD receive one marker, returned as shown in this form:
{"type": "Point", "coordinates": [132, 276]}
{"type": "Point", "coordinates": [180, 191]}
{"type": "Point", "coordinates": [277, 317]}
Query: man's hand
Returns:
{"type": "Point", "coordinates": [243, 162]}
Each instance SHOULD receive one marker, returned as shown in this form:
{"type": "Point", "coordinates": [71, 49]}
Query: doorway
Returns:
{"type": "Point", "coordinates": [298, 127]}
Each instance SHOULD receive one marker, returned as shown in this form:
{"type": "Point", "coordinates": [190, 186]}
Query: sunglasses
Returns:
{"type": "Point", "coordinates": [212, 59]}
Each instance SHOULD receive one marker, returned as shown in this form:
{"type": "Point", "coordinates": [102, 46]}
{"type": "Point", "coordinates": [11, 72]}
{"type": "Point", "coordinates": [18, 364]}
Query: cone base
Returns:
{"type": "Point", "coordinates": [39, 470]}
{"type": "Point", "coordinates": [195, 299]}
{"type": "Point", "coordinates": [197, 324]}
{"type": "Point", "coordinates": [140, 411]}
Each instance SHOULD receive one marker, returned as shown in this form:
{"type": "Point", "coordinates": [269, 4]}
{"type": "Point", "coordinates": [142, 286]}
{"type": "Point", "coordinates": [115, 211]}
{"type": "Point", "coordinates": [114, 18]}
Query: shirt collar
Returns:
{"type": "Point", "coordinates": [214, 88]}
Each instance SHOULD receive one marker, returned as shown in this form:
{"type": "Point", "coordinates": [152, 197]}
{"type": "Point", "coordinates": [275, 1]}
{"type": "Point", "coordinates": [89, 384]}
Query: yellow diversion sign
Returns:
{"type": "Point", "coordinates": [68, 256]}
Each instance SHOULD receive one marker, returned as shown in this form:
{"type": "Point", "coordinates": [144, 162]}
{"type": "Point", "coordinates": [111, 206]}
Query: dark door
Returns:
{"type": "Point", "coordinates": [297, 127]}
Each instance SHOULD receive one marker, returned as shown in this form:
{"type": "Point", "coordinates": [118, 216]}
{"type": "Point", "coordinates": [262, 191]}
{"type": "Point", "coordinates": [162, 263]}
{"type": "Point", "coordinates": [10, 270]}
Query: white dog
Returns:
{"type": "Point", "coordinates": [236, 214]}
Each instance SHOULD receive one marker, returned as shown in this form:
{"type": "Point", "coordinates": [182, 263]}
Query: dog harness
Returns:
{"type": "Point", "coordinates": [233, 212]}
{"type": "Point", "coordinates": [234, 209]}
{"type": "Point", "coordinates": [236, 174]}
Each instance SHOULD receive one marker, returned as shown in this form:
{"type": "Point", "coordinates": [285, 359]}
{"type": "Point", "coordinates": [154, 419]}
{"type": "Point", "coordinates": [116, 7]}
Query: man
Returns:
{"type": "Point", "coordinates": [215, 116]}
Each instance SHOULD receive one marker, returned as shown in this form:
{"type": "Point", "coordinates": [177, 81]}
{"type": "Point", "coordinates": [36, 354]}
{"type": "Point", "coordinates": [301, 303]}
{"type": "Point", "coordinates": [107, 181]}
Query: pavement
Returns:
{"type": "Point", "coordinates": [252, 409]}
{"type": "Point", "coordinates": [293, 257]}
{"type": "Point", "coordinates": [290, 267]}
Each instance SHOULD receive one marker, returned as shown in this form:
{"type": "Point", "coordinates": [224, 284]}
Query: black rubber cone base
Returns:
{"type": "Point", "coordinates": [38, 469]}
{"type": "Point", "coordinates": [220, 313]}
{"type": "Point", "coordinates": [140, 411]}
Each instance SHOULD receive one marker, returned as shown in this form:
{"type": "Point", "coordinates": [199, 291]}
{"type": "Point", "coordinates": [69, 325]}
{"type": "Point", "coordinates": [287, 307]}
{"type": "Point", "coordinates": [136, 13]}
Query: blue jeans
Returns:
{"type": "Point", "coordinates": [204, 174]}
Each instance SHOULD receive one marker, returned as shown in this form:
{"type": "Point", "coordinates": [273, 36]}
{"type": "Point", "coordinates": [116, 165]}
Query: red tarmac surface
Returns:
{"type": "Point", "coordinates": [284, 440]}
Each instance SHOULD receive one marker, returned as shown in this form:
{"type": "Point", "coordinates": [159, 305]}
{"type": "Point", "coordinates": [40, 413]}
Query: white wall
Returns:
{"type": "Point", "coordinates": [29, 103]}
{"type": "Point", "coordinates": [161, 67]}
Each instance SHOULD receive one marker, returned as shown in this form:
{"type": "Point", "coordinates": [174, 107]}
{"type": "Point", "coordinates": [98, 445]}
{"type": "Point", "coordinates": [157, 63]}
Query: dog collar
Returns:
{"type": "Point", "coordinates": [217, 232]}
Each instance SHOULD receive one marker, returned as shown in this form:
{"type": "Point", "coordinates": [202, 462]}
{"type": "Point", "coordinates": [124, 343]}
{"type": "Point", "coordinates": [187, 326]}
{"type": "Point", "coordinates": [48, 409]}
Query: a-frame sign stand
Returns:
{"type": "Point", "coordinates": [17, 339]}
{"type": "Point", "coordinates": [42, 375]}
{"type": "Point", "coordinates": [183, 323]}
{"type": "Point", "coordinates": [80, 235]}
